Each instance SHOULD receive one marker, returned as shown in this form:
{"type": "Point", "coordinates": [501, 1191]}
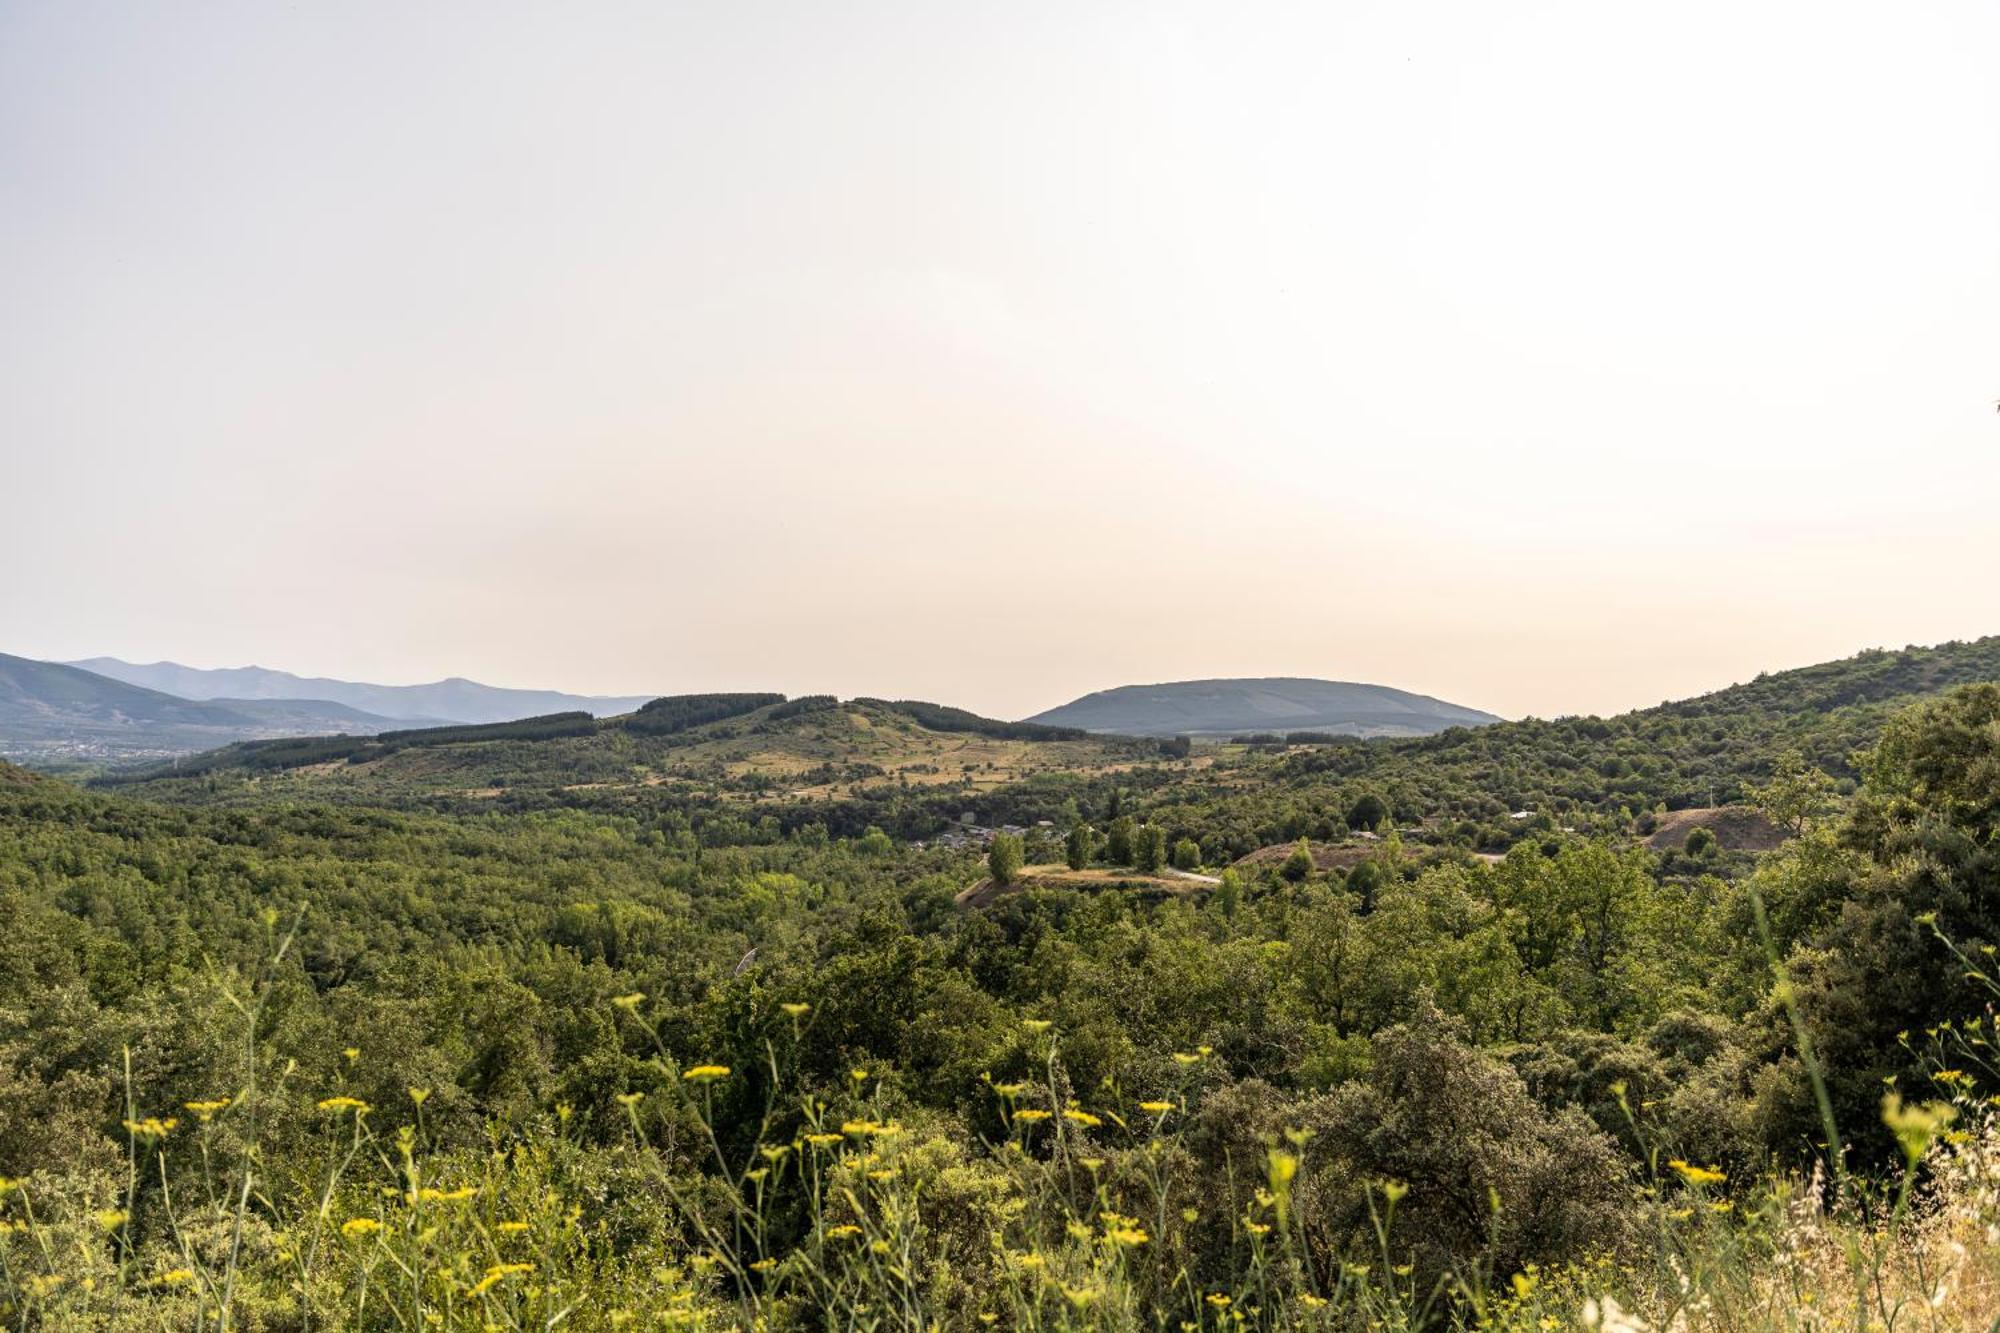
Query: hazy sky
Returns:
{"type": "Point", "coordinates": [1546, 357]}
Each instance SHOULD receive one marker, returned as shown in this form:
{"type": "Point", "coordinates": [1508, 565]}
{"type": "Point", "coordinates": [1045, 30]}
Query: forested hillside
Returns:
{"type": "Point", "coordinates": [594, 1025]}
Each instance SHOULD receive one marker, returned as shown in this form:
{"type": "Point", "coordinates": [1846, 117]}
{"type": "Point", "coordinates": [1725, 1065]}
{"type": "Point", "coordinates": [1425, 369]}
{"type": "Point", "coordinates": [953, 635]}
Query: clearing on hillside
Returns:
{"type": "Point", "coordinates": [1173, 882]}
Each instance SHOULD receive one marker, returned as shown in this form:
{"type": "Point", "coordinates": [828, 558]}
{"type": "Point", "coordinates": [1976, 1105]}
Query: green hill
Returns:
{"type": "Point", "coordinates": [1239, 707]}
{"type": "Point", "coordinates": [747, 745]}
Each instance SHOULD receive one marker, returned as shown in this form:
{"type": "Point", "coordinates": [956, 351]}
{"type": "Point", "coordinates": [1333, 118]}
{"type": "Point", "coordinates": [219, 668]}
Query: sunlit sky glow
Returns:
{"type": "Point", "coordinates": [1550, 358]}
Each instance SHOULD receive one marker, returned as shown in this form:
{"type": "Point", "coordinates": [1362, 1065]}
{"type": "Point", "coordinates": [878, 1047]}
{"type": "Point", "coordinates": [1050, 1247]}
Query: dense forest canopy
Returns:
{"type": "Point", "coordinates": [684, 1022]}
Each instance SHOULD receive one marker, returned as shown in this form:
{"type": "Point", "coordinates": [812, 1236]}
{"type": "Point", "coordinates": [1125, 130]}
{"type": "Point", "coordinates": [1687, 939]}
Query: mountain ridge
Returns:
{"type": "Point", "coordinates": [453, 699]}
{"type": "Point", "coordinates": [52, 710]}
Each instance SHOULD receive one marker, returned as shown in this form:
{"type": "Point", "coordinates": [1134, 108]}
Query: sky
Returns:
{"type": "Point", "coordinates": [1546, 357]}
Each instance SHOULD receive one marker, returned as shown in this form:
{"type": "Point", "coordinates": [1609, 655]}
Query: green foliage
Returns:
{"type": "Point", "coordinates": [681, 712]}
{"type": "Point", "coordinates": [940, 717]}
{"type": "Point", "coordinates": [1549, 1029]}
{"type": "Point", "coordinates": [1187, 854]}
{"type": "Point", "coordinates": [1003, 860]}
{"type": "Point", "coordinates": [1149, 848]}
{"type": "Point", "coordinates": [1121, 841]}
{"type": "Point", "coordinates": [1367, 812]}
{"type": "Point", "coordinates": [1076, 846]}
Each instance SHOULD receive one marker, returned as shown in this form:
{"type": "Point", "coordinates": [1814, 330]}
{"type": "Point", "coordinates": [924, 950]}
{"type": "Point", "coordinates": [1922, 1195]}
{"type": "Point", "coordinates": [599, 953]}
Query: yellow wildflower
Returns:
{"type": "Point", "coordinates": [796, 1010]}
{"type": "Point", "coordinates": [706, 1073]}
{"type": "Point", "coordinates": [360, 1226]}
{"type": "Point", "coordinates": [1084, 1118]}
{"type": "Point", "coordinates": [205, 1111]}
{"type": "Point", "coordinates": [1698, 1175]}
{"type": "Point", "coordinates": [1030, 1114]}
{"type": "Point", "coordinates": [629, 1001]}
{"type": "Point", "coordinates": [339, 1104]}
{"type": "Point", "coordinates": [1156, 1108]}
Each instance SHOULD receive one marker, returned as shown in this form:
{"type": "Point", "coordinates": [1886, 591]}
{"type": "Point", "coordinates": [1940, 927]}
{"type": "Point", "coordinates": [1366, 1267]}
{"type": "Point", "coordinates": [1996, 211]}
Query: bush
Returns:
{"type": "Point", "coordinates": [1461, 1130]}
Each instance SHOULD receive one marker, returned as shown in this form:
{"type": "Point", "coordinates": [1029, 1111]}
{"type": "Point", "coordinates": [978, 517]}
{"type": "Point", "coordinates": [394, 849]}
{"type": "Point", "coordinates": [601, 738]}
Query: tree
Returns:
{"type": "Point", "coordinates": [1229, 893]}
{"type": "Point", "coordinates": [1076, 848]}
{"type": "Point", "coordinates": [1003, 862]}
{"type": "Point", "coordinates": [1149, 851]}
{"type": "Point", "coordinates": [1118, 841]}
{"type": "Point", "coordinates": [1299, 864]}
{"type": "Point", "coordinates": [1187, 854]}
{"type": "Point", "coordinates": [875, 842]}
{"type": "Point", "coordinates": [1368, 812]}
{"type": "Point", "coordinates": [1796, 794]}
{"type": "Point", "coordinates": [1919, 868]}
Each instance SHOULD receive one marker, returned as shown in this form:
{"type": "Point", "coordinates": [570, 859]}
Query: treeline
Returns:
{"type": "Point", "coordinates": [681, 712]}
{"type": "Point", "coordinates": [305, 751]}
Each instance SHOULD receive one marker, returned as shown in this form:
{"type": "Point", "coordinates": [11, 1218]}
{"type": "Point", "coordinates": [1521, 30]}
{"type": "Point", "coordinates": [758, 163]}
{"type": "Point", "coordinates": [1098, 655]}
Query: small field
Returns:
{"type": "Point", "coordinates": [1095, 879]}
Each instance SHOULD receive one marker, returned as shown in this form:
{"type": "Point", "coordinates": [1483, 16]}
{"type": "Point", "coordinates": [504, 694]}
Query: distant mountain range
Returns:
{"type": "Point", "coordinates": [1276, 704]}
{"type": "Point", "coordinates": [444, 701]}
{"type": "Point", "coordinates": [105, 711]}
{"type": "Point", "coordinates": [49, 711]}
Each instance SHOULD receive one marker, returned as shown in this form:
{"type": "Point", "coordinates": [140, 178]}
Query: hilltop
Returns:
{"type": "Point", "coordinates": [1271, 704]}
{"type": "Point", "coordinates": [453, 700]}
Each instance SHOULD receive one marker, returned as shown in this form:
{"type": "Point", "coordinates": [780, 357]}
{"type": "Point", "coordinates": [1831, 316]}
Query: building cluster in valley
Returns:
{"type": "Point", "coordinates": [968, 833]}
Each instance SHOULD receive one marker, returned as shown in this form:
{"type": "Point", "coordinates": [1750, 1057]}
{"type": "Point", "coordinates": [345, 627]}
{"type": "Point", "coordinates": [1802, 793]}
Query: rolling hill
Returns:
{"type": "Point", "coordinates": [747, 746]}
{"type": "Point", "coordinates": [52, 712]}
{"type": "Point", "coordinates": [452, 700]}
{"type": "Point", "coordinates": [1278, 704]}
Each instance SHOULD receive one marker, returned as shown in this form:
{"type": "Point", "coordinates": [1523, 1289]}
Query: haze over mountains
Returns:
{"type": "Point", "coordinates": [49, 711]}
{"type": "Point", "coordinates": [452, 700]}
{"type": "Point", "coordinates": [106, 710]}
{"type": "Point", "coordinates": [1277, 704]}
